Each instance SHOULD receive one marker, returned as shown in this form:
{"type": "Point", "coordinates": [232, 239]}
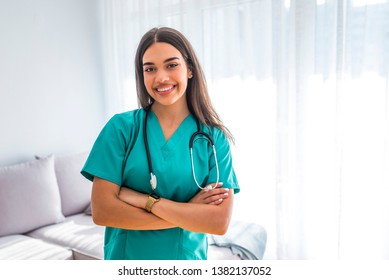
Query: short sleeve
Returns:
{"type": "Point", "coordinates": [106, 159]}
{"type": "Point", "coordinates": [226, 170]}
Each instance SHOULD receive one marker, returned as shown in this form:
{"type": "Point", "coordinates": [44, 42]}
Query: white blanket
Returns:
{"type": "Point", "coordinates": [245, 239]}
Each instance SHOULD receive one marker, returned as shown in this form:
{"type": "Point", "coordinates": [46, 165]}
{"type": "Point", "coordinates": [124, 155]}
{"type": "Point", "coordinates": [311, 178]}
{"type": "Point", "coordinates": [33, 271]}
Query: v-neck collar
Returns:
{"type": "Point", "coordinates": [156, 132]}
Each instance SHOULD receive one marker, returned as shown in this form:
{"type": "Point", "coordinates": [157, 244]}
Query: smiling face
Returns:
{"type": "Point", "coordinates": [165, 74]}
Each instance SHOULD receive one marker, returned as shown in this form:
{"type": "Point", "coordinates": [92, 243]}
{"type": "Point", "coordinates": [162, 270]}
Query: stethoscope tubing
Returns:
{"type": "Point", "coordinates": [209, 187]}
{"type": "Point", "coordinates": [193, 139]}
{"type": "Point", "coordinates": [153, 178]}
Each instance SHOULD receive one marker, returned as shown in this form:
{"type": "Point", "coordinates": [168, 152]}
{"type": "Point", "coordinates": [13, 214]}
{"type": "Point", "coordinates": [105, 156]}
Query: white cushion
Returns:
{"type": "Point", "coordinates": [75, 190]}
{"type": "Point", "coordinates": [77, 232]}
{"type": "Point", "coordinates": [87, 239]}
{"type": "Point", "coordinates": [21, 247]}
{"type": "Point", "coordinates": [29, 196]}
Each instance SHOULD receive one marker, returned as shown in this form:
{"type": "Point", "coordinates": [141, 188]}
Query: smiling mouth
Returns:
{"type": "Point", "coordinates": [165, 89]}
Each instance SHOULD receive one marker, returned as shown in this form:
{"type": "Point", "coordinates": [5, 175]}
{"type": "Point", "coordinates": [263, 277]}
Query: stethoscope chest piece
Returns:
{"type": "Point", "coordinates": [153, 181]}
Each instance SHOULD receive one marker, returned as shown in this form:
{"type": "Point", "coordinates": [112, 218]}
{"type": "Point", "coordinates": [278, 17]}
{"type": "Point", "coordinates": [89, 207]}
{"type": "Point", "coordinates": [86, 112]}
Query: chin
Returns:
{"type": "Point", "coordinates": [169, 100]}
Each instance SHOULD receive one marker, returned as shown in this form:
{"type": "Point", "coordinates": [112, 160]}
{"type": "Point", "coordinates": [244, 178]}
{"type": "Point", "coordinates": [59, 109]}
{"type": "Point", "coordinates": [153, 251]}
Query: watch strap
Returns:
{"type": "Point", "coordinates": [153, 198]}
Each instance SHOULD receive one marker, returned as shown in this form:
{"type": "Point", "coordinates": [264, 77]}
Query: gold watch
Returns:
{"type": "Point", "coordinates": [153, 198]}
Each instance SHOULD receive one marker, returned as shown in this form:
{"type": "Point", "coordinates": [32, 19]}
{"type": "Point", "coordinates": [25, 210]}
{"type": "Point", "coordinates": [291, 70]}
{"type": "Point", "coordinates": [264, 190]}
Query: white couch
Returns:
{"type": "Point", "coordinates": [44, 212]}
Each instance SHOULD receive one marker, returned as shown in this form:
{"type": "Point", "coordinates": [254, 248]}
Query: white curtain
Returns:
{"type": "Point", "coordinates": [304, 86]}
{"type": "Point", "coordinates": [332, 129]}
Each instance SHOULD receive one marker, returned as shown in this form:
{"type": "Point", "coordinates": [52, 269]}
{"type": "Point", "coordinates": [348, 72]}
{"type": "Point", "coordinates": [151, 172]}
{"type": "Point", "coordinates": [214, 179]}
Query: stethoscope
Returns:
{"type": "Point", "coordinates": [193, 139]}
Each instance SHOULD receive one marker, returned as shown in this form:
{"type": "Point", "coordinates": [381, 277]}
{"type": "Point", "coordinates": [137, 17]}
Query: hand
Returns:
{"type": "Point", "coordinates": [214, 196]}
{"type": "Point", "coordinates": [132, 197]}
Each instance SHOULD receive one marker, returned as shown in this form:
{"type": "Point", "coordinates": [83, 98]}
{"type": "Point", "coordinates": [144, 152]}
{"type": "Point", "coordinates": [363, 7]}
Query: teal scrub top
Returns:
{"type": "Point", "coordinates": [119, 156]}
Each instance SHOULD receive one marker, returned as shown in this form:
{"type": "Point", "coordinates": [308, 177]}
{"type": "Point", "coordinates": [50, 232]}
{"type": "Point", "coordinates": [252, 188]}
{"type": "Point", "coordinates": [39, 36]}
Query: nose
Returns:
{"type": "Point", "coordinates": [162, 76]}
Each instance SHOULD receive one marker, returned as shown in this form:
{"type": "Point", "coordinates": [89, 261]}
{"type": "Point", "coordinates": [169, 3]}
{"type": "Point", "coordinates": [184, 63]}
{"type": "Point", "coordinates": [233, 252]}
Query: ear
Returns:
{"type": "Point", "coordinates": [190, 75]}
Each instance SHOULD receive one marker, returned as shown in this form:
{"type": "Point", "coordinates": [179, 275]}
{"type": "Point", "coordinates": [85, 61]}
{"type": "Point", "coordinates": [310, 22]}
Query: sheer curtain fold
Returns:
{"type": "Point", "coordinates": [303, 85]}
{"type": "Point", "coordinates": [333, 157]}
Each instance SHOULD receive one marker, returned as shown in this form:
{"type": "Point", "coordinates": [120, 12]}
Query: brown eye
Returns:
{"type": "Point", "coordinates": [172, 65]}
{"type": "Point", "coordinates": [149, 69]}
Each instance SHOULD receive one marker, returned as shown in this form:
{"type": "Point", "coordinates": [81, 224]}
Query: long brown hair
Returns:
{"type": "Point", "coordinates": [198, 101]}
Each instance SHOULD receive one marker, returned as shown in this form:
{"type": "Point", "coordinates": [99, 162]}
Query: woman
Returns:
{"type": "Point", "coordinates": [172, 220]}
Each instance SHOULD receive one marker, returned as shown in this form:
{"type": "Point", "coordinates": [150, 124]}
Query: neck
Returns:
{"type": "Point", "coordinates": [172, 113]}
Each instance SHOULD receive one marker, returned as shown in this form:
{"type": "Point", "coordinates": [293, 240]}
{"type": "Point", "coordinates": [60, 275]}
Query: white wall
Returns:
{"type": "Point", "coordinates": [51, 89]}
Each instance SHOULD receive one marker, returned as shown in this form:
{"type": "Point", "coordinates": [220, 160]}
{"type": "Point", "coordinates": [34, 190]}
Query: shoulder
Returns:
{"type": "Point", "coordinates": [126, 120]}
{"type": "Point", "coordinates": [213, 131]}
{"type": "Point", "coordinates": [123, 125]}
{"type": "Point", "coordinates": [129, 117]}
{"type": "Point", "coordinates": [217, 135]}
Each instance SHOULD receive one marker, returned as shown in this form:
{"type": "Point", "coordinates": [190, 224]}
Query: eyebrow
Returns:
{"type": "Point", "coordinates": [166, 60]}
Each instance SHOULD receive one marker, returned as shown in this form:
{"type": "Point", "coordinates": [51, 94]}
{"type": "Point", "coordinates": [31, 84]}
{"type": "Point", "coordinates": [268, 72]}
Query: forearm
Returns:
{"type": "Point", "coordinates": [206, 212]}
{"type": "Point", "coordinates": [195, 217]}
{"type": "Point", "coordinates": [109, 210]}
{"type": "Point", "coordinates": [122, 215]}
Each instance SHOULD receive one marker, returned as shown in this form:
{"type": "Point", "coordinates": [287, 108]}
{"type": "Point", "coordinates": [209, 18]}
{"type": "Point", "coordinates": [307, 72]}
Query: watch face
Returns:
{"type": "Point", "coordinates": [155, 195]}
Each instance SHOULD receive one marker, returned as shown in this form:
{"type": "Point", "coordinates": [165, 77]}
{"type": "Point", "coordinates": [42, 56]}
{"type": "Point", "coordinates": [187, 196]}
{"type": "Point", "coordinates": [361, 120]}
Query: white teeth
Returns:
{"type": "Point", "coordinates": [164, 89]}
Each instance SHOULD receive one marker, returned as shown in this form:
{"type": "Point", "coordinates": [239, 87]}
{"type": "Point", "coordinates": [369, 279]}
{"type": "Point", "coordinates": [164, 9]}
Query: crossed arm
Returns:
{"type": "Point", "coordinates": [207, 212]}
